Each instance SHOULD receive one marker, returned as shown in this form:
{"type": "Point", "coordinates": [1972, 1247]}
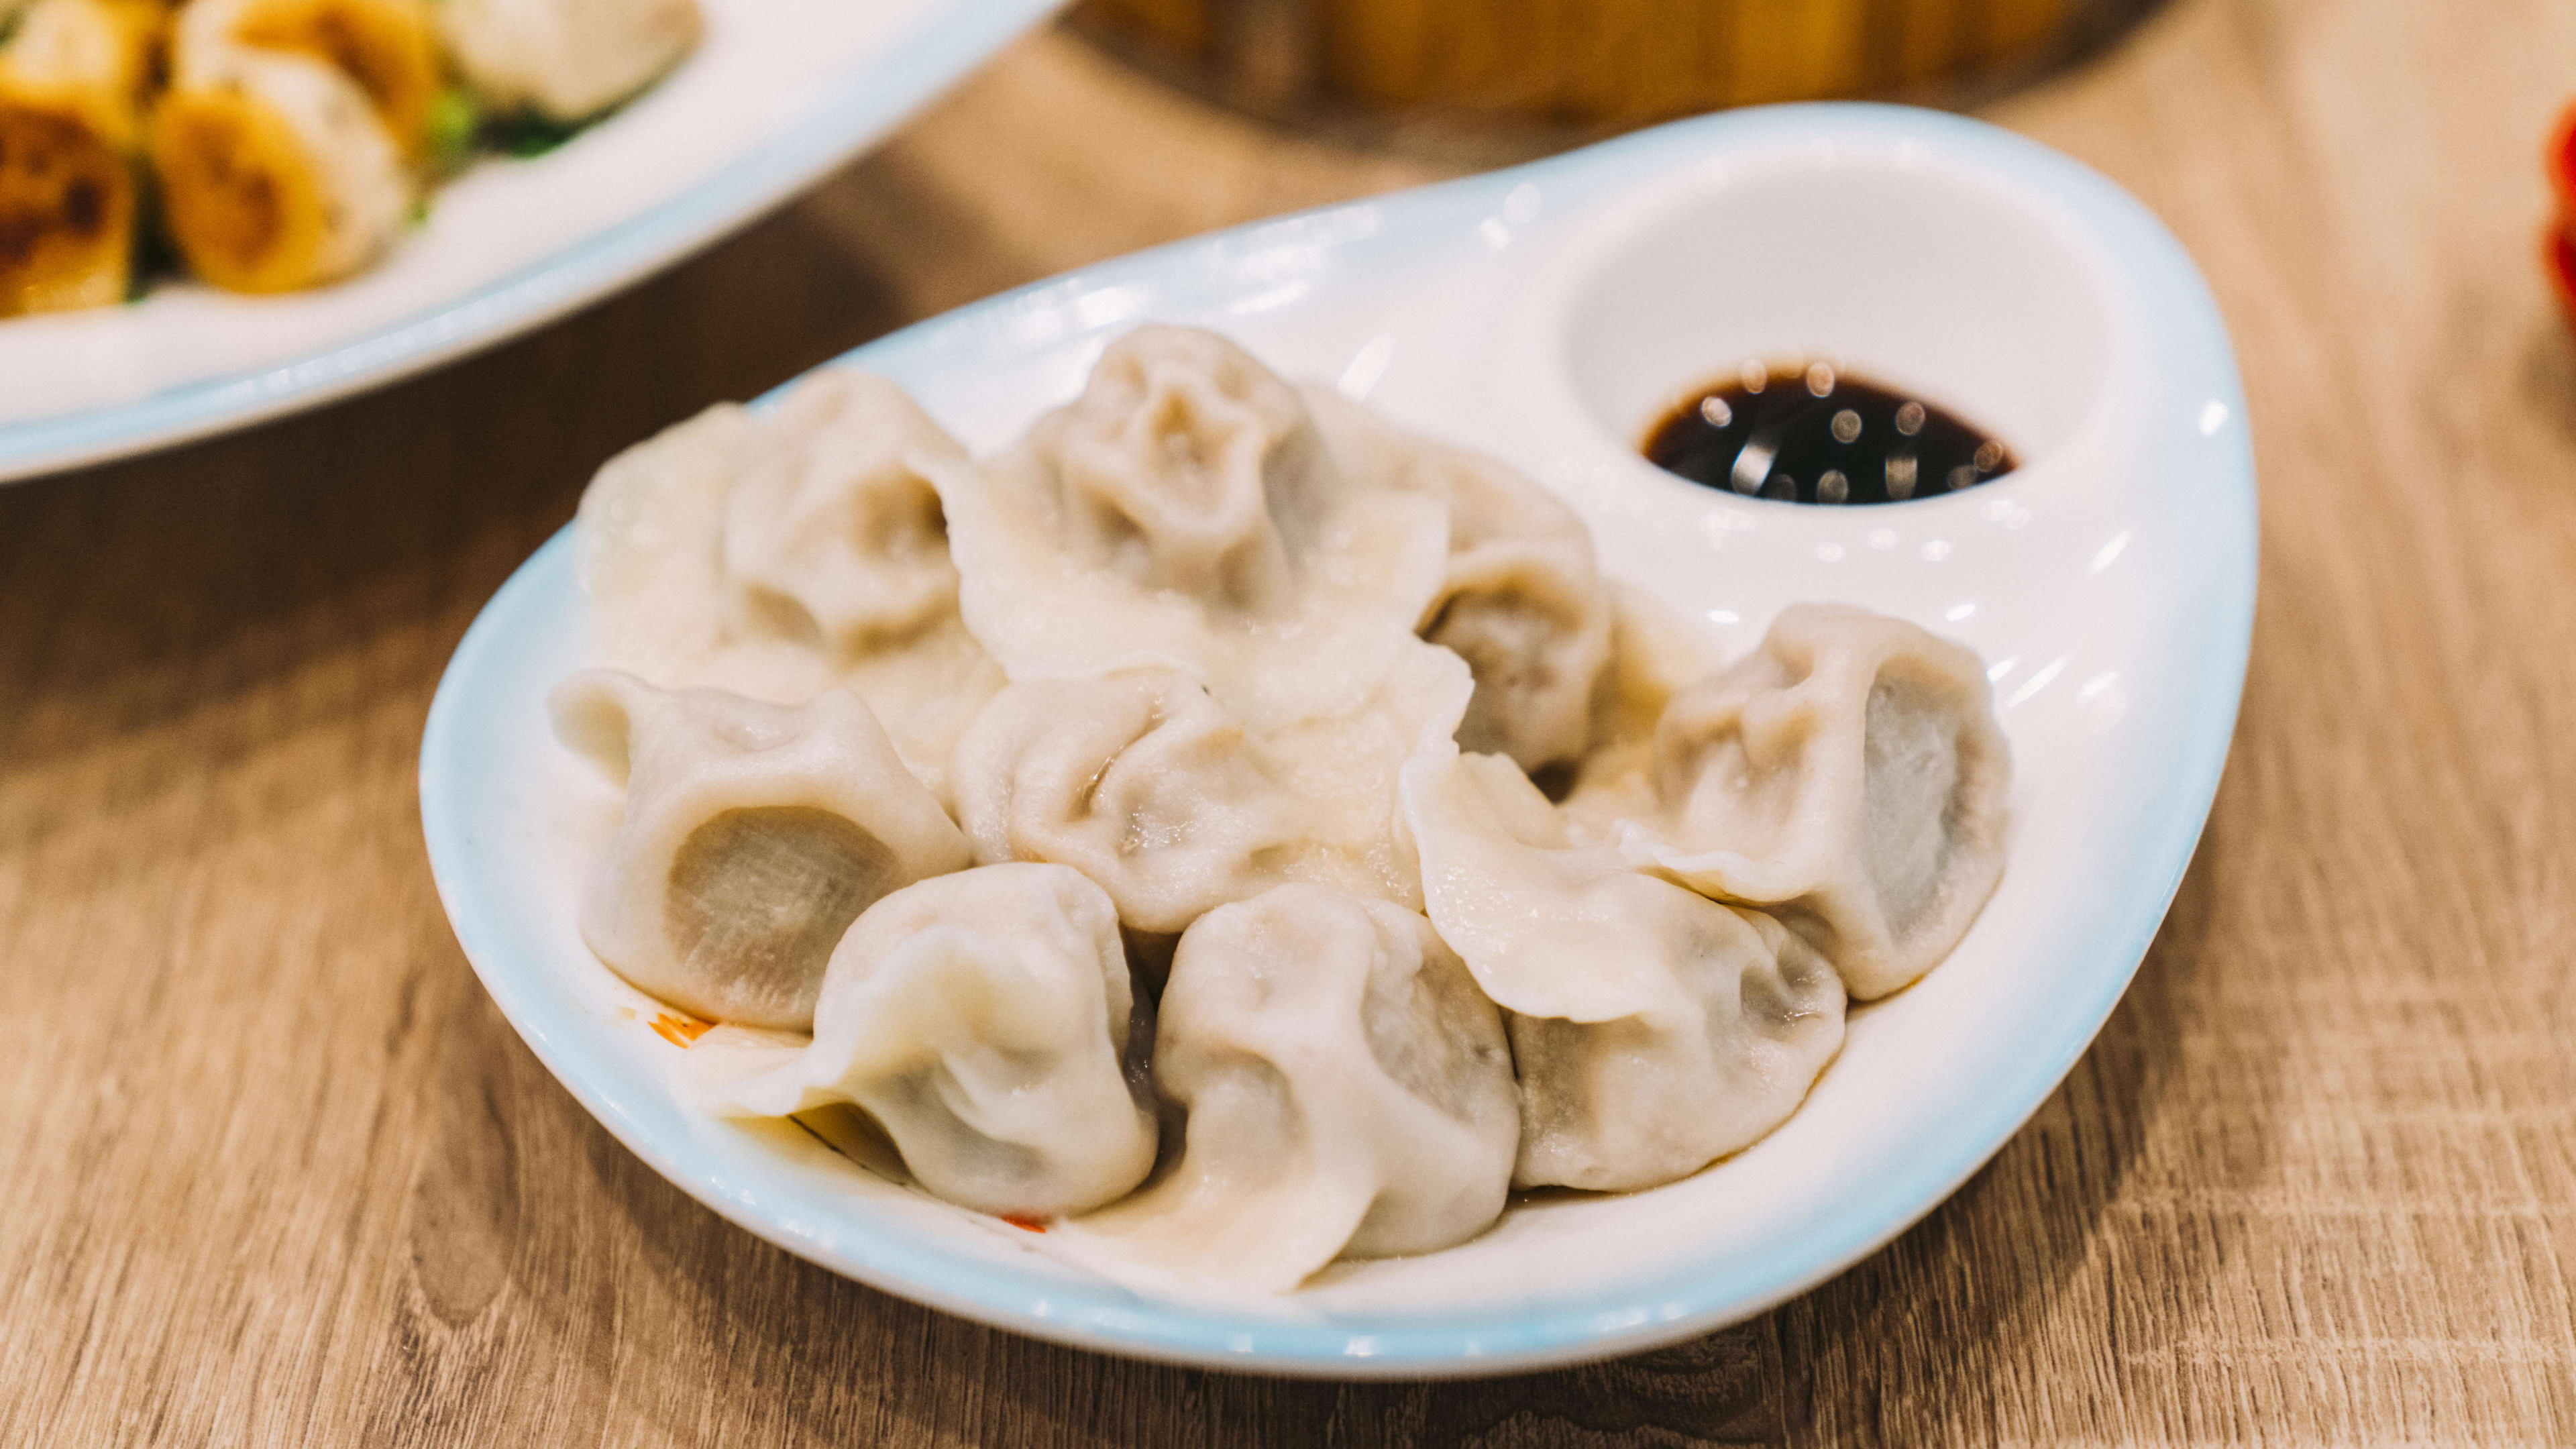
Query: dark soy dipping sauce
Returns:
{"type": "Point", "coordinates": [1812, 435]}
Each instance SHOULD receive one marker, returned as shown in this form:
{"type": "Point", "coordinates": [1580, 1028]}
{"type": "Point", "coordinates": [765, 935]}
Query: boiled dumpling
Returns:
{"type": "Point", "coordinates": [1137, 778]}
{"type": "Point", "coordinates": [1144, 782]}
{"type": "Point", "coordinates": [1654, 1030]}
{"type": "Point", "coordinates": [981, 1019]}
{"type": "Point", "coordinates": [1348, 1091]}
{"type": "Point", "coordinates": [1655, 654]}
{"type": "Point", "coordinates": [753, 835]}
{"type": "Point", "coordinates": [1184, 512]}
{"type": "Point", "coordinates": [1847, 776]}
{"type": "Point", "coordinates": [1522, 600]}
{"type": "Point", "coordinates": [838, 542]}
{"type": "Point", "coordinates": [780, 553]}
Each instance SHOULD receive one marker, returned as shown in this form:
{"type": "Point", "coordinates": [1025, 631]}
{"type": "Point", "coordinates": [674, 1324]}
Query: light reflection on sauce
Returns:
{"type": "Point", "coordinates": [1807, 434]}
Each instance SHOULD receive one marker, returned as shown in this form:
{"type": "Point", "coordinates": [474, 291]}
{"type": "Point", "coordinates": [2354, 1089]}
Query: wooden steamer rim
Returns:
{"type": "Point", "coordinates": [1591, 65]}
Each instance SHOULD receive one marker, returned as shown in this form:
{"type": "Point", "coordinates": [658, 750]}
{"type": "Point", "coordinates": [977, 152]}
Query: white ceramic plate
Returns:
{"type": "Point", "coordinates": [1543, 314]}
{"type": "Point", "coordinates": [778, 93]}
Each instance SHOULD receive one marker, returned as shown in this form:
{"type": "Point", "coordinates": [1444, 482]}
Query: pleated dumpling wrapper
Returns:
{"type": "Point", "coordinates": [787, 551]}
{"type": "Point", "coordinates": [1655, 653]}
{"type": "Point", "coordinates": [1654, 1030]}
{"type": "Point", "coordinates": [388, 49]}
{"type": "Point", "coordinates": [276, 171]}
{"type": "Point", "coordinates": [1348, 1091]}
{"type": "Point", "coordinates": [1143, 781]}
{"type": "Point", "coordinates": [73, 75]}
{"type": "Point", "coordinates": [1522, 599]}
{"type": "Point", "coordinates": [753, 835]}
{"type": "Point", "coordinates": [1184, 512]}
{"type": "Point", "coordinates": [981, 1019]}
{"type": "Point", "coordinates": [566, 60]}
{"type": "Point", "coordinates": [1847, 776]}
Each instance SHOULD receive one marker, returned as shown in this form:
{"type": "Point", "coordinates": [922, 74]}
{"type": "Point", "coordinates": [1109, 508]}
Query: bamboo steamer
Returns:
{"type": "Point", "coordinates": [1585, 62]}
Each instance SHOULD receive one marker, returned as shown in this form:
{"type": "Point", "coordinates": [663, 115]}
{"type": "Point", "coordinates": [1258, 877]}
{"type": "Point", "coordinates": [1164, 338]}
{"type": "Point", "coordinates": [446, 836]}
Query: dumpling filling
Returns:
{"type": "Point", "coordinates": [979, 1018]}
{"type": "Point", "coordinates": [761, 896]}
{"type": "Point", "coordinates": [753, 834]}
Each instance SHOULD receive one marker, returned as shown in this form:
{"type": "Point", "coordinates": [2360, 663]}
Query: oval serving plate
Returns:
{"type": "Point", "coordinates": [777, 93]}
{"type": "Point", "coordinates": [1545, 314]}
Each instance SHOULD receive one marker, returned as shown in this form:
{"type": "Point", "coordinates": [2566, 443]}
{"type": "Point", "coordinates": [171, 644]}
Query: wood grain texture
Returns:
{"type": "Point", "coordinates": [278, 1173]}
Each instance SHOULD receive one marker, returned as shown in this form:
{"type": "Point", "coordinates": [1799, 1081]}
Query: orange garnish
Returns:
{"type": "Point", "coordinates": [679, 1030]}
{"type": "Point", "coordinates": [1026, 1225]}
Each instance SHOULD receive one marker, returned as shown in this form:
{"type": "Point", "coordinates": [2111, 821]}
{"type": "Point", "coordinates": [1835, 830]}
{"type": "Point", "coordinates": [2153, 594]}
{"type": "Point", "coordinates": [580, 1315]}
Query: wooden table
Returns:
{"type": "Point", "coordinates": [277, 1172]}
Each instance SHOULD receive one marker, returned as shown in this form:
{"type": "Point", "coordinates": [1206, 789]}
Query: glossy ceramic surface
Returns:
{"type": "Point", "coordinates": [1545, 314]}
{"type": "Point", "coordinates": [778, 93]}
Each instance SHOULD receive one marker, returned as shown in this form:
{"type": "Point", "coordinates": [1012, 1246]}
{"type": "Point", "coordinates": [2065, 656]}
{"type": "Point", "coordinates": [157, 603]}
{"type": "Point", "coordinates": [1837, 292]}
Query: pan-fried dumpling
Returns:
{"type": "Point", "coordinates": [981, 1019]}
{"type": "Point", "coordinates": [1654, 1030]}
{"type": "Point", "coordinates": [753, 835]}
{"type": "Point", "coordinates": [74, 75]}
{"type": "Point", "coordinates": [1522, 600]}
{"type": "Point", "coordinates": [1348, 1090]}
{"type": "Point", "coordinates": [1847, 776]}
{"type": "Point", "coordinates": [780, 553]}
{"type": "Point", "coordinates": [387, 48]}
{"type": "Point", "coordinates": [276, 171]}
{"type": "Point", "coordinates": [1184, 512]}
{"type": "Point", "coordinates": [1141, 780]}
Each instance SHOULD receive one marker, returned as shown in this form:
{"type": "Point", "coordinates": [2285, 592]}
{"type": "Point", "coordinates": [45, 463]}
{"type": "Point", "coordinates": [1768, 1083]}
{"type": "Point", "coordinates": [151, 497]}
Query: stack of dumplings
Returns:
{"type": "Point", "coordinates": [1138, 827]}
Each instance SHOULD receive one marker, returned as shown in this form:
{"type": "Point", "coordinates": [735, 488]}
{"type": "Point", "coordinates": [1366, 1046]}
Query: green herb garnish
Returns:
{"type": "Point", "coordinates": [526, 133]}
{"type": "Point", "coordinates": [447, 138]}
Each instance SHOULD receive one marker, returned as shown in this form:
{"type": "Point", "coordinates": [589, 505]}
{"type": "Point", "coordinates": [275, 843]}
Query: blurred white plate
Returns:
{"type": "Point", "coordinates": [1543, 314]}
{"type": "Point", "coordinates": [779, 92]}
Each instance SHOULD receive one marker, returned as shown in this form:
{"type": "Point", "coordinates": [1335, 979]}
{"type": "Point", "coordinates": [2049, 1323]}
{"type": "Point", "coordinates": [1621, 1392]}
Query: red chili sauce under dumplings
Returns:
{"type": "Point", "coordinates": [1812, 435]}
